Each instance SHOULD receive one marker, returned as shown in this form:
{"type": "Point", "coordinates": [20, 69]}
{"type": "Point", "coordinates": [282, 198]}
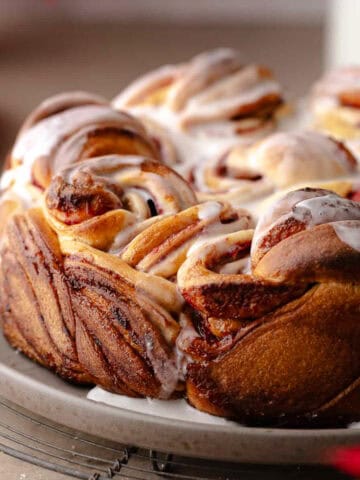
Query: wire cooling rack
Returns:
{"type": "Point", "coordinates": [58, 448]}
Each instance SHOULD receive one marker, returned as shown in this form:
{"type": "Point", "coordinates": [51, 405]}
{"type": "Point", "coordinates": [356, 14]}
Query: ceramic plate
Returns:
{"type": "Point", "coordinates": [43, 393]}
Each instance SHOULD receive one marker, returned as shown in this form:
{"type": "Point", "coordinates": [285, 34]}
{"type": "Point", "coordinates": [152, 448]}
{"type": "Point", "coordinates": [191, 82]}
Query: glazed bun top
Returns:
{"type": "Point", "coordinates": [206, 105]}
{"type": "Point", "coordinates": [339, 87]}
{"type": "Point", "coordinates": [212, 86]}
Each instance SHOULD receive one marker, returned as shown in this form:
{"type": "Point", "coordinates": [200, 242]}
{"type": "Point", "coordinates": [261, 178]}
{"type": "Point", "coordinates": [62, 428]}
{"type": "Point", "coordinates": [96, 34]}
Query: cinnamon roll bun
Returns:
{"type": "Point", "coordinates": [96, 200]}
{"type": "Point", "coordinates": [206, 105]}
{"type": "Point", "coordinates": [277, 341]}
{"type": "Point", "coordinates": [335, 103]}
{"type": "Point", "coordinates": [64, 130]}
{"type": "Point", "coordinates": [278, 162]}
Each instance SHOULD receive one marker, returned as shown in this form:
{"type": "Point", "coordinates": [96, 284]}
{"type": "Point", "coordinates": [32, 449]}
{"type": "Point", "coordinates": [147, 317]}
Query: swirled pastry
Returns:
{"type": "Point", "coordinates": [277, 341]}
{"type": "Point", "coordinates": [161, 248]}
{"type": "Point", "coordinates": [280, 161]}
{"type": "Point", "coordinates": [335, 103]}
{"type": "Point", "coordinates": [64, 130]}
{"type": "Point", "coordinates": [96, 200]}
{"type": "Point", "coordinates": [206, 105]}
{"type": "Point", "coordinates": [94, 318]}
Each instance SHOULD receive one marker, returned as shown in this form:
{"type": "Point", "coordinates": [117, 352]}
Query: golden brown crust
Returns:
{"type": "Point", "coordinates": [296, 260]}
{"type": "Point", "coordinates": [74, 314]}
{"type": "Point", "coordinates": [37, 296]}
{"type": "Point", "coordinates": [297, 362]}
{"type": "Point", "coordinates": [230, 296]}
{"type": "Point", "coordinates": [117, 337]}
{"type": "Point", "coordinates": [293, 364]}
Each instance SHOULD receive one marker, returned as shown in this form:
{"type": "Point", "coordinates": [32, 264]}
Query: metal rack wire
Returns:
{"type": "Point", "coordinates": [55, 447]}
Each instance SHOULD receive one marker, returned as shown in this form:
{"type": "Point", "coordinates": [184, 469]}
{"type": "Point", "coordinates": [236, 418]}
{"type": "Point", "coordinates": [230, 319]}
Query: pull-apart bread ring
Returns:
{"type": "Point", "coordinates": [118, 271]}
{"type": "Point", "coordinates": [278, 341]}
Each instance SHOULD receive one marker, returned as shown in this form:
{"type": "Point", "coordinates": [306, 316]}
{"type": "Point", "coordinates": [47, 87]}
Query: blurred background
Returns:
{"type": "Point", "coordinates": [47, 46]}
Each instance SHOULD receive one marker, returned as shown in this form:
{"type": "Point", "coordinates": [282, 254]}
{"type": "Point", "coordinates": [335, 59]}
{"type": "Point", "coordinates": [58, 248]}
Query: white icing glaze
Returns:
{"type": "Point", "coordinates": [199, 107]}
{"type": "Point", "coordinates": [209, 210]}
{"type": "Point", "coordinates": [349, 233]}
{"type": "Point", "coordinates": [186, 336]}
{"type": "Point", "coordinates": [309, 207]}
{"type": "Point", "coordinates": [115, 168]}
{"type": "Point", "coordinates": [221, 244]}
{"type": "Point", "coordinates": [42, 138]}
{"type": "Point", "coordinates": [243, 266]}
{"type": "Point", "coordinates": [290, 157]}
{"type": "Point", "coordinates": [16, 182]}
{"type": "Point", "coordinates": [216, 232]}
{"type": "Point", "coordinates": [168, 265]}
{"type": "Point", "coordinates": [197, 145]}
{"type": "Point", "coordinates": [326, 209]}
{"type": "Point", "coordinates": [130, 232]}
{"type": "Point", "coordinates": [281, 209]}
{"type": "Point", "coordinates": [166, 371]}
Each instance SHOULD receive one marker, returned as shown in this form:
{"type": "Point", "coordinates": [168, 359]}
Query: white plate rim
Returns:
{"type": "Point", "coordinates": [40, 391]}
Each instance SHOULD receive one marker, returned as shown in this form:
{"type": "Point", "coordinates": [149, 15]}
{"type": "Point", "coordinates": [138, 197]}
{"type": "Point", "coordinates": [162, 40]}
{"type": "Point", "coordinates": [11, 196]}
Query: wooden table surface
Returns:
{"type": "Point", "coordinates": [40, 60]}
